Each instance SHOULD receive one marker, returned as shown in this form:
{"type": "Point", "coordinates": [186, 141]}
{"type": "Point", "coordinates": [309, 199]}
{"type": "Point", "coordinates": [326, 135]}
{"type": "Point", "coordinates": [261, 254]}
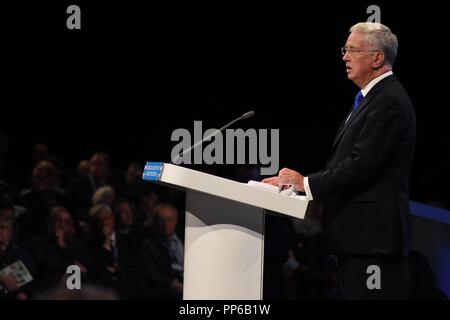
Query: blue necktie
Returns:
{"type": "Point", "coordinates": [358, 99]}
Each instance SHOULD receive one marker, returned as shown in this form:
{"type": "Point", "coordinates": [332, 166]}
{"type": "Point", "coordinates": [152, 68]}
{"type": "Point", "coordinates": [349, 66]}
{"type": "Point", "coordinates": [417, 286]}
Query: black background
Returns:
{"type": "Point", "coordinates": [136, 71]}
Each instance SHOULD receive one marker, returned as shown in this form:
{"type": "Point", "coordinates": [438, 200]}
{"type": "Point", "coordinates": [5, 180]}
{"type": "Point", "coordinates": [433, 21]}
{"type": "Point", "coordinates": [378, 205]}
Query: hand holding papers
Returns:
{"type": "Point", "coordinates": [19, 272]}
{"type": "Point", "coordinates": [287, 190]}
{"type": "Point", "coordinates": [286, 185]}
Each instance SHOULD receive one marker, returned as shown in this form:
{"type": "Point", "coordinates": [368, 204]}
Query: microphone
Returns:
{"type": "Point", "coordinates": [246, 115]}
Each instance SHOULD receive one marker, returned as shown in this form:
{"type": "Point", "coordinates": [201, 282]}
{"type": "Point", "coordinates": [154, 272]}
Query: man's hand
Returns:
{"type": "Point", "coordinates": [294, 176]}
{"type": "Point", "coordinates": [272, 180]}
{"type": "Point", "coordinates": [287, 174]}
{"type": "Point", "coordinates": [21, 296]}
{"type": "Point", "coordinates": [60, 238]}
{"type": "Point", "coordinates": [111, 269]}
{"type": "Point", "coordinates": [10, 283]}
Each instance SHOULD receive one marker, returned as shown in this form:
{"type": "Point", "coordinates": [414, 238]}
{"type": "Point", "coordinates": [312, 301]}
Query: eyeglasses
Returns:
{"type": "Point", "coordinates": [352, 52]}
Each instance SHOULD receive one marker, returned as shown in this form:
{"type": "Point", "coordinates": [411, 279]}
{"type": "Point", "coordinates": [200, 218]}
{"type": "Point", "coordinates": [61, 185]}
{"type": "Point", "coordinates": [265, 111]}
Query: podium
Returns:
{"type": "Point", "coordinates": [224, 232]}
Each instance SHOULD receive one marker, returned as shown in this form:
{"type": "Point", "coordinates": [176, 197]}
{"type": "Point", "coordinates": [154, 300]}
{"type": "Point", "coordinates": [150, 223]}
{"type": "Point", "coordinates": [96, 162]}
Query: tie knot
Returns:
{"type": "Point", "coordinates": [358, 99]}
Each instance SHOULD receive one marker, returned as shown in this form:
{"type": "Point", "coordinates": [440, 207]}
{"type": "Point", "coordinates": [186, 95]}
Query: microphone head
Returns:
{"type": "Point", "coordinates": [248, 114]}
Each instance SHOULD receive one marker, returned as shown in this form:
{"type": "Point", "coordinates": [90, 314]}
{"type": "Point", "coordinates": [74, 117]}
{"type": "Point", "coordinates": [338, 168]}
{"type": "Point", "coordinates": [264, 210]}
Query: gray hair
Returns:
{"type": "Point", "coordinates": [102, 194]}
{"type": "Point", "coordinates": [95, 210]}
{"type": "Point", "coordinates": [379, 37]}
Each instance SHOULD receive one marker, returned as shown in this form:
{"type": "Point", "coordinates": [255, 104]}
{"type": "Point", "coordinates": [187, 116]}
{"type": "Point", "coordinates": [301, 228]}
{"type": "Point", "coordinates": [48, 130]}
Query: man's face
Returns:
{"type": "Point", "coordinates": [149, 202]}
{"type": "Point", "coordinates": [84, 167]}
{"type": "Point", "coordinates": [43, 178]}
{"type": "Point", "coordinates": [359, 63]}
{"type": "Point", "coordinates": [62, 221]}
{"type": "Point", "coordinates": [106, 219]}
{"type": "Point", "coordinates": [99, 167]}
{"type": "Point", "coordinates": [168, 219]}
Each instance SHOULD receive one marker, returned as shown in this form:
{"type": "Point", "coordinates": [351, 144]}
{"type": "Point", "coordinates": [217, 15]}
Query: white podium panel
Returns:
{"type": "Point", "coordinates": [223, 249]}
{"type": "Point", "coordinates": [224, 235]}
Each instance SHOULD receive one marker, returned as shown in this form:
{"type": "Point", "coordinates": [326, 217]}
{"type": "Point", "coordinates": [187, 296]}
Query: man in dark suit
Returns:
{"type": "Point", "coordinates": [365, 186]}
{"type": "Point", "coordinates": [54, 251]}
{"type": "Point", "coordinates": [81, 190]}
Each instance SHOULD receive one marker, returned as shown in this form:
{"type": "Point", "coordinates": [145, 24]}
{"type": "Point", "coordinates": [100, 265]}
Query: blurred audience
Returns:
{"type": "Point", "coordinates": [104, 195]}
{"type": "Point", "coordinates": [133, 184]}
{"type": "Point", "coordinates": [10, 287]}
{"type": "Point", "coordinates": [39, 200]}
{"type": "Point", "coordinates": [145, 214]}
{"type": "Point", "coordinates": [84, 168]}
{"type": "Point", "coordinates": [81, 190]}
{"type": "Point", "coordinates": [40, 152]}
{"type": "Point", "coordinates": [128, 245]}
{"type": "Point", "coordinates": [163, 253]}
{"type": "Point", "coordinates": [116, 254]}
{"type": "Point", "coordinates": [54, 251]}
{"type": "Point", "coordinates": [124, 216]}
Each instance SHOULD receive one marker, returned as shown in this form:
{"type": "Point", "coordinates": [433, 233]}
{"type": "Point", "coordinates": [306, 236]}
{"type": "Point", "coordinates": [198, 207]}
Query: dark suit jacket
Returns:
{"type": "Point", "coordinates": [365, 187]}
{"type": "Point", "coordinates": [126, 260]}
{"type": "Point", "coordinates": [80, 194]}
{"type": "Point", "coordinates": [52, 261]}
{"type": "Point", "coordinates": [156, 256]}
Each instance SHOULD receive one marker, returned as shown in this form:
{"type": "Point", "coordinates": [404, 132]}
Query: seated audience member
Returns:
{"type": "Point", "coordinates": [104, 195]}
{"type": "Point", "coordinates": [144, 214]}
{"type": "Point", "coordinates": [81, 190]}
{"type": "Point", "coordinates": [7, 196]}
{"type": "Point", "coordinates": [39, 200]}
{"type": "Point", "coordinates": [59, 248]}
{"type": "Point", "coordinates": [116, 254]}
{"type": "Point", "coordinates": [168, 221]}
{"type": "Point", "coordinates": [132, 184]}
{"type": "Point", "coordinates": [84, 168]}
{"type": "Point", "coordinates": [163, 253]}
{"type": "Point", "coordinates": [10, 288]}
{"type": "Point", "coordinates": [124, 216]}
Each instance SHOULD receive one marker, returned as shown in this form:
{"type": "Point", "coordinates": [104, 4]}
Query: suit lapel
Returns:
{"type": "Point", "coordinates": [372, 93]}
{"type": "Point", "coordinates": [364, 102]}
{"type": "Point", "coordinates": [341, 127]}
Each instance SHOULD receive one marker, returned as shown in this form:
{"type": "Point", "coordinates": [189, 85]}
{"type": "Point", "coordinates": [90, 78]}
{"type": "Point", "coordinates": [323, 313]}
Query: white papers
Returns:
{"type": "Point", "coordinates": [19, 272]}
{"type": "Point", "coordinates": [271, 188]}
{"type": "Point", "coordinates": [263, 186]}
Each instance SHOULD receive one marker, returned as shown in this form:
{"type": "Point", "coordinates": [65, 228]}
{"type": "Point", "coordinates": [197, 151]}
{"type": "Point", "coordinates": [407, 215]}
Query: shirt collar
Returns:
{"type": "Point", "coordinates": [373, 82]}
